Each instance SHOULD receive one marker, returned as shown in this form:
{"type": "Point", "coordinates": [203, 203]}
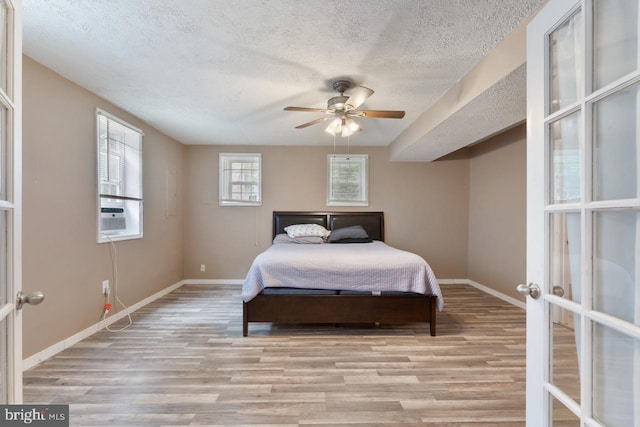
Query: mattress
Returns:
{"type": "Point", "coordinates": [362, 267]}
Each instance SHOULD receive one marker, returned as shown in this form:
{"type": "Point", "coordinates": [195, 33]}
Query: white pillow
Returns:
{"type": "Point", "coordinates": [284, 238]}
{"type": "Point", "coordinates": [304, 230]}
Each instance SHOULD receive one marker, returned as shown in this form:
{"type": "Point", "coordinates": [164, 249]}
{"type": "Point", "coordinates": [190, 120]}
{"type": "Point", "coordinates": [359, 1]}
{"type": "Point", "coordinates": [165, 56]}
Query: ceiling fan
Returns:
{"type": "Point", "coordinates": [341, 109]}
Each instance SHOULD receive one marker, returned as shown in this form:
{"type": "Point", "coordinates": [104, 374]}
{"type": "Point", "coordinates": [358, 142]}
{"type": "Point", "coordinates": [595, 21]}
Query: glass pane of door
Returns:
{"type": "Point", "coordinates": [616, 377]}
{"type": "Point", "coordinates": [3, 152]}
{"type": "Point", "coordinates": [4, 39]}
{"type": "Point", "coordinates": [566, 251]}
{"type": "Point", "coordinates": [4, 361]}
{"type": "Point", "coordinates": [615, 40]}
{"type": "Point", "coordinates": [564, 135]}
{"type": "Point", "coordinates": [565, 44]}
{"type": "Point", "coordinates": [616, 145]}
{"type": "Point", "coordinates": [565, 343]}
{"type": "Point", "coordinates": [4, 299]}
{"type": "Point", "coordinates": [616, 247]}
{"type": "Point", "coordinates": [561, 416]}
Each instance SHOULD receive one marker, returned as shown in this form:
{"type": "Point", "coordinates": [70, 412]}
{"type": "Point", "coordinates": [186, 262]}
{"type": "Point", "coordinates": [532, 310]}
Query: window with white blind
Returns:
{"type": "Point", "coordinates": [347, 176]}
{"type": "Point", "coordinates": [240, 179]}
{"type": "Point", "coordinates": [119, 179]}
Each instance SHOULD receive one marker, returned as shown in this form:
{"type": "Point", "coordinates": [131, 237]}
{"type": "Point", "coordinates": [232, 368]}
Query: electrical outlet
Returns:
{"type": "Point", "coordinates": [105, 287]}
{"type": "Point", "coordinates": [202, 268]}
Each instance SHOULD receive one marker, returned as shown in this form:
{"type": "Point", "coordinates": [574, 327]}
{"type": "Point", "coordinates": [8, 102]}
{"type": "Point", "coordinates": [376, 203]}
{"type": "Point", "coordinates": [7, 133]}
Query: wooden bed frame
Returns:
{"type": "Point", "coordinates": [365, 308]}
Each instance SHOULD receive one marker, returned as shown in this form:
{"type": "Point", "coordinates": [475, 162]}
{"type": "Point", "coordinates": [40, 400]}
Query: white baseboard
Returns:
{"type": "Point", "coordinates": [48, 352]}
{"type": "Point", "coordinates": [486, 289]}
{"type": "Point", "coordinates": [469, 282]}
{"type": "Point", "coordinates": [452, 281]}
{"type": "Point", "coordinates": [213, 281]}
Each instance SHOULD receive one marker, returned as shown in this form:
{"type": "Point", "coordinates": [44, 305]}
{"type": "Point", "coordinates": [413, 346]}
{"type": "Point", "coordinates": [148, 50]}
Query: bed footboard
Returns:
{"type": "Point", "coordinates": [340, 309]}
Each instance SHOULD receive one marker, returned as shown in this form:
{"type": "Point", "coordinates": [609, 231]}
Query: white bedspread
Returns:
{"type": "Point", "coordinates": [371, 266]}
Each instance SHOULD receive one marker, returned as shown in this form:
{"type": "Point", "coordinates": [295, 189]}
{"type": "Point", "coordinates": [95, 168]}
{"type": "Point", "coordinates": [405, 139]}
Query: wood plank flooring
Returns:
{"type": "Point", "coordinates": [184, 362]}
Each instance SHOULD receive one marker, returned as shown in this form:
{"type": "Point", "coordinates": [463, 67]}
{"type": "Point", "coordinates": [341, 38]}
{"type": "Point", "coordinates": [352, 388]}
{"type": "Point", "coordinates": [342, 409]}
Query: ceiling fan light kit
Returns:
{"type": "Point", "coordinates": [342, 108]}
{"type": "Point", "coordinates": [343, 127]}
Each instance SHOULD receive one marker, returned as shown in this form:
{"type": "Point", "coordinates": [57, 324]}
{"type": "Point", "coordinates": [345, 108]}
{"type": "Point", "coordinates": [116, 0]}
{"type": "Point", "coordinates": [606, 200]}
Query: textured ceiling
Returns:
{"type": "Point", "coordinates": [221, 72]}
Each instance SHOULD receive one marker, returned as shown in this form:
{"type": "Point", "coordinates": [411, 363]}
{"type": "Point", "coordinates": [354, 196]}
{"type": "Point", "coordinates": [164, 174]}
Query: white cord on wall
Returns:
{"type": "Point", "coordinates": [256, 227]}
{"type": "Point", "coordinates": [114, 269]}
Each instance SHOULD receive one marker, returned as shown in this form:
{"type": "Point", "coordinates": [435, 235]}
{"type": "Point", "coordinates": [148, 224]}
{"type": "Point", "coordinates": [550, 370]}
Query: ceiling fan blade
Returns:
{"type": "Point", "coordinates": [382, 114]}
{"type": "Point", "coordinates": [313, 122]}
{"type": "Point", "coordinates": [310, 110]}
{"type": "Point", "coordinates": [358, 96]}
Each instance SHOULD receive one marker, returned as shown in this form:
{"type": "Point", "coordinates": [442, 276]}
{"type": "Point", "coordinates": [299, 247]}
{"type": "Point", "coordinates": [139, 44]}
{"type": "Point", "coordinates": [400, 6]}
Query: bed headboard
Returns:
{"type": "Point", "coordinates": [372, 222]}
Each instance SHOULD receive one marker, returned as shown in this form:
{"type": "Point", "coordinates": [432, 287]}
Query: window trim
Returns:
{"type": "Point", "coordinates": [223, 182]}
{"type": "Point", "coordinates": [101, 237]}
{"type": "Point", "coordinates": [363, 160]}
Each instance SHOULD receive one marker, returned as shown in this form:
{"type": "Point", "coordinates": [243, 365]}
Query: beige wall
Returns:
{"type": "Point", "coordinates": [497, 212]}
{"type": "Point", "coordinates": [60, 253]}
{"type": "Point", "coordinates": [425, 205]}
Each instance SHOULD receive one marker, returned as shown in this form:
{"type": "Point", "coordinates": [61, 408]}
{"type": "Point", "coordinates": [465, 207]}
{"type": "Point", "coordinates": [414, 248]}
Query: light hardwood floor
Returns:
{"type": "Point", "coordinates": [185, 362]}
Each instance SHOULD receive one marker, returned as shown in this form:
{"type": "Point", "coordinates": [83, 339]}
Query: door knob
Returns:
{"type": "Point", "coordinates": [558, 291]}
{"type": "Point", "coordinates": [532, 289]}
{"type": "Point", "coordinates": [34, 298]}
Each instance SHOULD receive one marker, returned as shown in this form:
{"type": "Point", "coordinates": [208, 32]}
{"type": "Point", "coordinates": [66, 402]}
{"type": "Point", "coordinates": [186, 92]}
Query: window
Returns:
{"type": "Point", "coordinates": [240, 179]}
{"type": "Point", "coordinates": [119, 179]}
{"type": "Point", "coordinates": [347, 180]}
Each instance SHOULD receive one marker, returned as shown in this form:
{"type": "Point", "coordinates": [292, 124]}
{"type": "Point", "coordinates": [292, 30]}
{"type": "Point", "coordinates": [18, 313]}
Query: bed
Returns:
{"type": "Point", "coordinates": [346, 283]}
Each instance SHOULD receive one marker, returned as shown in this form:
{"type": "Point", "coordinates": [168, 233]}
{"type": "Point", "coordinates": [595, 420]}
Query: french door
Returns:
{"type": "Point", "coordinates": [583, 224]}
{"type": "Point", "coordinates": [10, 200]}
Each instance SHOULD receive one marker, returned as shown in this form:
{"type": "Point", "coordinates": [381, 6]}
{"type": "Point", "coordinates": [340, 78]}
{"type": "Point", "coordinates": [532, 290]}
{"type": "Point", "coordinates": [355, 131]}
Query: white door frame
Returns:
{"type": "Point", "coordinates": [12, 100]}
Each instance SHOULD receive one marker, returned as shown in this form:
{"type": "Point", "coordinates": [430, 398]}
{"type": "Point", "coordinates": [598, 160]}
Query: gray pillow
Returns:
{"type": "Point", "coordinates": [349, 234]}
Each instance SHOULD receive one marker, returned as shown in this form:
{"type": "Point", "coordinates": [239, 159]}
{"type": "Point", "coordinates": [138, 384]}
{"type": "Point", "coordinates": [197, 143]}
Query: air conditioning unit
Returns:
{"type": "Point", "coordinates": [112, 219]}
